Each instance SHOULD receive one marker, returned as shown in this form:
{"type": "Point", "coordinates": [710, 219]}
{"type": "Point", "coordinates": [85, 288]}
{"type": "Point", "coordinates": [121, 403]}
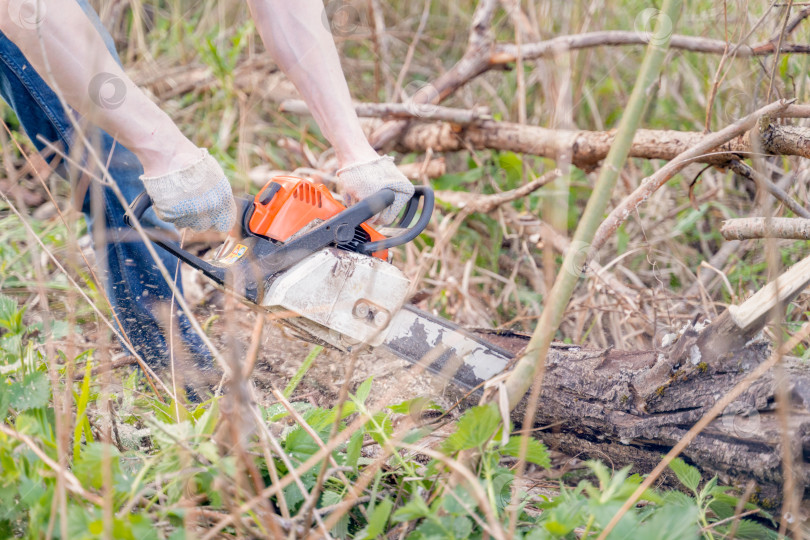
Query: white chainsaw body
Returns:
{"type": "Point", "coordinates": [344, 298]}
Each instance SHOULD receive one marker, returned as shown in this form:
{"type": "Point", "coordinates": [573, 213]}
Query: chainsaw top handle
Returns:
{"type": "Point", "coordinates": [420, 192]}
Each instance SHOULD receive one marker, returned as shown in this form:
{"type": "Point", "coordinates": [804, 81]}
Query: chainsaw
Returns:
{"type": "Point", "coordinates": [304, 256]}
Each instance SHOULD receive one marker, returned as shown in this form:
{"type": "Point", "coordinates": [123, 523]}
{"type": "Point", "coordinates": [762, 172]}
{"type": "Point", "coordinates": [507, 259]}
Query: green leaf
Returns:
{"type": "Point", "coordinates": [414, 406]}
{"type": "Point", "coordinates": [512, 165]}
{"type": "Point", "coordinates": [207, 421]}
{"type": "Point", "coordinates": [31, 490]}
{"type": "Point", "coordinates": [88, 466]}
{"type": "Point", "coordinates": [454, 181]}
{"type": "Point", "coordinates": [414, 509]}
{"type": "Point", "coordinates": [749, 529]}
{"type": "Point", "coordinates": [30, 393]}
{"type": "Point", "coordinates": [688, 475]}
{"type": "Point", "coordinates": [299, 375]}
{"type": "Point", "coordinates": [461, 527]}
{"type": "Point", "coordinates": [363, 391]}
{"type": "Point", "coordinates": [709, 487]}
{"type": "Point", "coordinates": [380, 427]}
{"type": "Point", "coordinates": [299, 445]}
{"type": "Point", "coordinates": [353, 448]}
{"type": "Point", "coordinates": [474, 428]}
{"type": "Point", "coordinates": [458, 501]}
{"type": "Point", "coordinates": [81, 407]}
{"type": "Point", "coordinates": [536, 453]}
{"type": "Point", "coordinates": [10, 316]}
{"type": "Point", "coordinates": [671, 522]}
{"type": "Point", "coordinates": [377, 520]}
{"type": "Point", "coordinates": [678, 498]}
{"type": "Point", "coordinates": [434, 529]}
{"type": "Point", "coordinates": [4, 400]}
{"type": "Point", "coordinates": [536, 533]}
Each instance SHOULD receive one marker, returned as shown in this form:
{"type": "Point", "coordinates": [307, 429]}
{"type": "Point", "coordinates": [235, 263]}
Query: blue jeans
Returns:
{"type": "Point", "coordinates": [138, 293]}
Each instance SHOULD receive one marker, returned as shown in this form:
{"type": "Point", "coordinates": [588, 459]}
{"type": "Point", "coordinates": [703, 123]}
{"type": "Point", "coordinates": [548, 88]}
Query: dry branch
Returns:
{"type": "Point", "coordinates": [453, 130]}
{"type": "Point", "coordinates": [763, 181]}
{"type": "Point", "coordinates": [652, 183]}
{"type": "Point", "coordinates": [603, 407]}
{"type": "Point", "coordinates": [630, 407]}
{"type": "Point", "coordinates": [535, 229]}
{"type": "Point", "coordinates": [588, 148]}
{"type": "Point", "coordinates": [402, 110]}
{"type": "Point", "coordinates": [713, 382]}
{"type": "Point", "coordinates": [753, 313]}
{"type": "Point", "coordinates": [748, 228]}
{"type": "Point", "coordinates": [507, 52]}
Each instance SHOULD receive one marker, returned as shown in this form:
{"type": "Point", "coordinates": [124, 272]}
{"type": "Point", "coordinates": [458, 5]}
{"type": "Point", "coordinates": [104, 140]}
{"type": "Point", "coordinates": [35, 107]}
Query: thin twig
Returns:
{"type": "Point", "coordinates": [778, 51]}
{"type": "Point", "coordinates": [760, 179]}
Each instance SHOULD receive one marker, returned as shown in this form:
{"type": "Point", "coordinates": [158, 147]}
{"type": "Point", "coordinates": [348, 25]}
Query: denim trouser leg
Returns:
{"type": "Point", "coordinates": [138, 293]}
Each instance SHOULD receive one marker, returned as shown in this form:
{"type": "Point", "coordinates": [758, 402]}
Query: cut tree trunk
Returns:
{"type": "Point", "coordinates": [631, 407]}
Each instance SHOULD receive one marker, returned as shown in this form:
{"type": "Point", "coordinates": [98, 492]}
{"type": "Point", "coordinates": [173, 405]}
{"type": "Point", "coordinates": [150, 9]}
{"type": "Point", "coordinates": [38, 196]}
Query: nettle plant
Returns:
{"type": "Point", "coordinates": [166, 467]}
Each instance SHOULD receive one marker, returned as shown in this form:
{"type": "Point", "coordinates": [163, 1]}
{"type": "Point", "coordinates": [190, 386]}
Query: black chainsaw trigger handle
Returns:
{"type": "Point", "coordinates": [423, 193]}
{"type": "Point", "coordinates": [139, 206]}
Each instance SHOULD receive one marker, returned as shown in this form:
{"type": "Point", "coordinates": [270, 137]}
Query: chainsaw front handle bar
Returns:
{"type": "Point", "coordinates": [423, 193]}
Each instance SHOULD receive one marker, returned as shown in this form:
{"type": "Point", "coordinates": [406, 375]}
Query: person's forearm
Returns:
{"type": "Point", "coordinates": [295, 34]}
{"type": "Point", "coordinates": [69, 54]}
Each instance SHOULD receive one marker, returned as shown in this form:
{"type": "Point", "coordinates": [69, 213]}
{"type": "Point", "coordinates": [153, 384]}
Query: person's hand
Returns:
{"type": "Point", "coordinates": [198, 196]}
{"type": "Point", "coordinates": [363, 179]}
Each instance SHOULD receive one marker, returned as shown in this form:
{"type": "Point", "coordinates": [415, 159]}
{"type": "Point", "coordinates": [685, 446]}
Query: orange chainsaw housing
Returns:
{"type": "Point", "coordinates": [280, 212]}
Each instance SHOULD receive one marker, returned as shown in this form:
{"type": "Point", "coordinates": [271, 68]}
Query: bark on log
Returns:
{"type": "Point", "coordinates": [631, 407]}
{"type": "Point", "coordinates": [747, 228]}
{"type": "Point", "coordinates": [588, 148]}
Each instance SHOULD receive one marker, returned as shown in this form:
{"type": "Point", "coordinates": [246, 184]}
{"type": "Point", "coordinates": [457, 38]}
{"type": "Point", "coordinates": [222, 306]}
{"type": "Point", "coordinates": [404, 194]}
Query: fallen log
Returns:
{"type": "Point", "coordinates": [631, 407]}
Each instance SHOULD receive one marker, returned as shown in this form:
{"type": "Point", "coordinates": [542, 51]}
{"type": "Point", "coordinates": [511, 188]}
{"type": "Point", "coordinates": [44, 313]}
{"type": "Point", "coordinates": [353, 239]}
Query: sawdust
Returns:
{"type": "Point", "coordinates": [281, 355]}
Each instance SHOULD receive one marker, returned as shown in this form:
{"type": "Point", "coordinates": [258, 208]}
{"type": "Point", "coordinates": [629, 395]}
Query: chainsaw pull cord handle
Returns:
{"type": "Point", "coordinates": [423, 193]}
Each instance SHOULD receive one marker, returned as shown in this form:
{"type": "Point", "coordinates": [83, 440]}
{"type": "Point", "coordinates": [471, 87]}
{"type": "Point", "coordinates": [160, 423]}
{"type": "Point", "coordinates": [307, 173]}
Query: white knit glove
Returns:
{"type": "Point", "coordinates": [363, 179]}
{"type": "Point", "coordinates": [198, 196]}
